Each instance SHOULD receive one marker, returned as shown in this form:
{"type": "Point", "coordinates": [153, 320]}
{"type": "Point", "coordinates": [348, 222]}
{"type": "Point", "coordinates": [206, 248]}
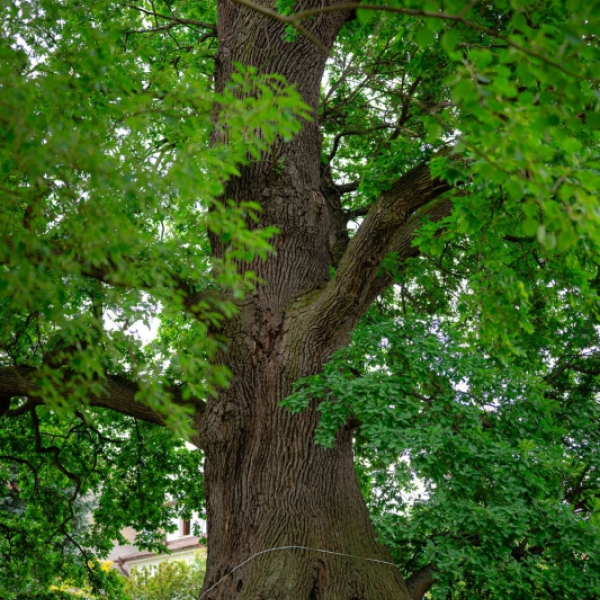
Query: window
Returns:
{"type": "Point", "coordinates": [186, 527]}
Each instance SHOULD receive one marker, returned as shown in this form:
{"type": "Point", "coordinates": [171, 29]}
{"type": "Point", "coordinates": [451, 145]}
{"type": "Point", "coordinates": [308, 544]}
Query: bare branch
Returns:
{"type": "Point", "coordinates": [363, 211]}
{"type": "Point", "coordinates": [336, 143]}
{"type": "Point", "coordinates": [343, 77]}
{"type": "Point", "coordinates": [168, 27]}
{"type": "Point", "coordinates": [570, 365]}
{"type": "Point", "coordinates": [120, 396]}
{"type": "Point", "coordinates": [28, 405]}
{"type": "Point", "coordinates": [405, 115]}
{"type": "Point", "coordinates": [345, 188]}
{"type": "Point", "coordinates": [338, 138]}
{"type": "Point", "coordinates": [176, 20]}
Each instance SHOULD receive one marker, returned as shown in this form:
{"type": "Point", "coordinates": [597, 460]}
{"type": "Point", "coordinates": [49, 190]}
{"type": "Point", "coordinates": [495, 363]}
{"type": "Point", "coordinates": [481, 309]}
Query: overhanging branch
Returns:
{"type": "Point", "coordinates": [172, 18]}
{"type": "Point", "coordinates": [345, 188]}
{"type": "Point", "coordinates": [296, 19]}
{"type": "Point", "coordinates": [402, 244]}
{"type": "Point", "coordinates": [119, 395]}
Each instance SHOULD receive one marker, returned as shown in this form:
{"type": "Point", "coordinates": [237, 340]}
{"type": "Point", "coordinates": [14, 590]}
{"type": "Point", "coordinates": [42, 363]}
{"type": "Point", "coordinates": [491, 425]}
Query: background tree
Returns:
{"type": "Point", "coordinates": [423, 176]}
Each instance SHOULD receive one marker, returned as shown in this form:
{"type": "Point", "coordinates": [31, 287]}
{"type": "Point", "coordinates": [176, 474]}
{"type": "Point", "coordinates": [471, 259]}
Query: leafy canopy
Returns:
{"type": "Point", "coordinates": [474, 380]}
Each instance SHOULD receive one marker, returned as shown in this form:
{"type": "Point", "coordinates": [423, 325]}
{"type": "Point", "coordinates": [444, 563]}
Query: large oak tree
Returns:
{"type": "Point", "coordinates": [270, 179]}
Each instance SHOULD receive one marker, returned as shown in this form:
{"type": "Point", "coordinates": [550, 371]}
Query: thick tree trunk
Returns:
{"type": "Point", "coordinates": [268, 485]}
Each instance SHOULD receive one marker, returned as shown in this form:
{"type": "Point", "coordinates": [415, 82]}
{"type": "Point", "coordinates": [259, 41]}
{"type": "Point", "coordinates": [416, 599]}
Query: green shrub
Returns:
{"type": "Point", "coordinates": [175, 580]}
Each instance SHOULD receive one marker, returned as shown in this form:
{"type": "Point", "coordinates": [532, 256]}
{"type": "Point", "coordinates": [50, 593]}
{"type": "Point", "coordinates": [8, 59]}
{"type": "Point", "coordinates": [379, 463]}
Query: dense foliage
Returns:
{"type": "Point", "coordinates": [63, 472]}
{"type": "Point", "coordinates": [472, 383]}
{"type": "Point", "coordinates": [174, 580]}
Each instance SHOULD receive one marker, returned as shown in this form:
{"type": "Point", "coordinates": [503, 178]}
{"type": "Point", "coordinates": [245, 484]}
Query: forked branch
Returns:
{"type": "Point", "coordinates": [388, 227]}
{"type": "Point", "coordinates": [295, 20]}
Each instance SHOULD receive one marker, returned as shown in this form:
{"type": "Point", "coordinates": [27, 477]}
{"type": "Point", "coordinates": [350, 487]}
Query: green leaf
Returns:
{"type": "Point", "coordinates": [365, 16]}
{"type": "Point", "coordinates": [425, 37]}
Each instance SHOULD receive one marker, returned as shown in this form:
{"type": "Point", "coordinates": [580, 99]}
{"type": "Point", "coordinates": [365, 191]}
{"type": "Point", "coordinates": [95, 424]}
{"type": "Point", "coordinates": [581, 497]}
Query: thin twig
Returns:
{"type": "Point", "coordinates": [178, 20]}
{"type": "Point", "coordinates": [55, 451]}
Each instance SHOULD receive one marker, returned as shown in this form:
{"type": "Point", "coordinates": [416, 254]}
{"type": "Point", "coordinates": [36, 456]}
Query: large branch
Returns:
{"type": "Point", "coordinates": [403, 243]}
{"type": "Point", "coordinates": [296, 20]}
{"type": "Point", "coordinates": [388, 227]}
{"type": "Point", "coordinates": [420, 582]}
{"type": "Point", "coordinates": [118, 394]}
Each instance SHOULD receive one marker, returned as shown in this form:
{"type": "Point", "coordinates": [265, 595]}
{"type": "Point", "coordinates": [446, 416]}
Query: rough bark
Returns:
{"type": "Point", "coordinates": [268, 485]}
{"type": "Point", "coordinates": [386, 228]}
{"type": "Point", "coordinates": [420, 582]}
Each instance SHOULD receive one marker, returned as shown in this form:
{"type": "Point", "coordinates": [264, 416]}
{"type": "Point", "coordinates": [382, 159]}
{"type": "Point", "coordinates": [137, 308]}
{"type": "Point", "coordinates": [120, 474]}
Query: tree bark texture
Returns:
{"type": "Point", "coordinates": [268, 485]}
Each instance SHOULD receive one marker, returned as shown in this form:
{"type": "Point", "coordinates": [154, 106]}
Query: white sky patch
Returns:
{"type": "Point", "coordinates": [145, 330]}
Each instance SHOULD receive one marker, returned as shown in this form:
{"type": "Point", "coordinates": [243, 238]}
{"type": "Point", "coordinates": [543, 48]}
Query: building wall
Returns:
{"type": "Point", "coordinates": [183, 546]}
{"type": "Point", "coordinates": [188, 556]}
{"type": "Point", "coordinates": [195, 522]}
